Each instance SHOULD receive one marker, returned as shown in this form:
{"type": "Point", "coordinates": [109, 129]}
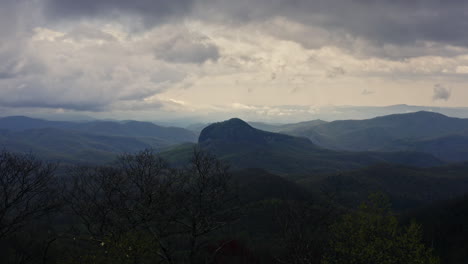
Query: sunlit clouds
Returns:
{"type": "Point", "coordinates": [141, 60]}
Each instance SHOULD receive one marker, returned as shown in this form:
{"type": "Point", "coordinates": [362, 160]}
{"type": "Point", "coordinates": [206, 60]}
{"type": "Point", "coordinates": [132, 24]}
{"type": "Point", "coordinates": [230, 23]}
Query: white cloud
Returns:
{"type": "Point", "coordinates": [87, 69]}
{"type": "Point", "coordinates": [203, 66]}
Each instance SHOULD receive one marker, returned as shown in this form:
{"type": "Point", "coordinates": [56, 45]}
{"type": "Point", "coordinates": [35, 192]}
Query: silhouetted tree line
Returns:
{"type": "Point", "coordinates": [141, 210]}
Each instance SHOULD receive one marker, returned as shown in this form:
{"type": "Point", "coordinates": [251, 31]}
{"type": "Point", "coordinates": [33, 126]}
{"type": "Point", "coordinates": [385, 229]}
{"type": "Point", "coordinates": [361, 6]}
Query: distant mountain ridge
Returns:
{"type": "Point", "coordinates": [94, 141]}
{"type": "Point", "coordinates": [419, 131]}
{"type": "Point", "coordinates": [127, 128]}
{"type": "Point", "coordinates": [301, 148]}
{"type": "Point", "coordinates": [246, 147]}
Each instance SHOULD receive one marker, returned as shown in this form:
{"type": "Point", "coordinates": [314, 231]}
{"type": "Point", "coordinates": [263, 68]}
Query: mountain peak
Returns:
{"type": "Point", "coordinates": [232, 129]}
{"type": "Point", "coordinates": [236, 121]}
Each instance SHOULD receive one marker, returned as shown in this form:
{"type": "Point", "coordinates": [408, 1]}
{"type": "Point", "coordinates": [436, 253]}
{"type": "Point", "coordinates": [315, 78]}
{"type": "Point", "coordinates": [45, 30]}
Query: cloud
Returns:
{"type": "Point", "coordinates": [367, 92]}
{"type": "Point", "coordinates": [17, 65]}
{"type": "Point", "coordinates": [186, 47]}
{"type": "Point", "coordinates": [150, 12]}
{"type": "Point", "coordinates": [16, 21]}
{"type": "Point", "coordinates": [85, 69]}
{"type": "Point", "coordinates": [105, 55]}
{"type": "Point", "coordinates": [86, 32]}
{"type": "Point", "coordinates": [385, 28]}
{"type": "Point", "coordinates": [441, 93]}
{"type": "Point", "coordinates": [335, 72]}
{"type": "Point", "coordinates": [9, 69]}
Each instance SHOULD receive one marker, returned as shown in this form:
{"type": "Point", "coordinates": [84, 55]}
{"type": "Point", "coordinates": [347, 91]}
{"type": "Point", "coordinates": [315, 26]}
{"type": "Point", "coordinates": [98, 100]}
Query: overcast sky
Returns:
{"type": "Point", "coordinates": [160, 59]}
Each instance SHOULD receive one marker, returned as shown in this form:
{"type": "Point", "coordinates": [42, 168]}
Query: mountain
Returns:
{"type": "Point", "coordinates": [453, 148]}
{"type": "Point", "coordinates": [332, 113]}
{"type": "Point", "coordinates": [419, 131]}
{"type": "Point", "coordinates": [95, 141]}
{"type": "Point", "coordinates": [239, 132]}
{"type": "Point", "coordinates": [72, 146]}
{"type": "Point", "coordinates": [266, 126]}
{"type": "Point", "coordinates": [444, 226]}
{"type": "Point", "coordinates": [19, 123]}
{"type": "Point", "coordinates": [406, 186]}
{"type": "Point", "coordinates": [246, 147]}
{"type": "Point", "coordinates": [197, 128]}
{"type": "Point", "coordinates": [256, 185]}
{"type": "Point", "coordinates": [172, 135]}
{"type": "Point", "coordinates": [300, 126]}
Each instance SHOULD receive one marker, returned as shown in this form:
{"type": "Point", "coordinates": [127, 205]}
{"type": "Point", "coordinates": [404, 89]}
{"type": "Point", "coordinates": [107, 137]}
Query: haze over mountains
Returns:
{"type": "Point", "coordinates": [442, 138]}
{"type": "Point", "coordinates": [398, 148]}
{"type": "Point", "coordinates": [416, 159]}
{"type": "Point", "coordinates": [95, 141]}
{"type": "Point", "coordinates": [247, 147]}
{"type": "Point", "coordinates": [433, 133]}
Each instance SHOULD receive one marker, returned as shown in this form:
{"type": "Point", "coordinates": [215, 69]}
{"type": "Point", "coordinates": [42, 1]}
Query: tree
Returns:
{"type": "Point", "coordinates": [28, 197]}
{"type": "Point", "coordinates": [155, 210]}
{"type": "Point", "coordinates": [372, 235]}
{"type": "Point", "coordinates": [208, 201]}
{"type": "Point", "coordinates": [124, 209]}
{"type": "Point", "coordinates": [27, 191]}
{"type": "Point", "coordinates": [303, 230]}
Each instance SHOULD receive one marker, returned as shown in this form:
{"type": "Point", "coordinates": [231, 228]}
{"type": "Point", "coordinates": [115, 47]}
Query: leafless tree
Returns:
{"type": "Point", "coordinates": [143, 196]}
{"type": "Point", "coordinates": [303, 226]}
{"type": "Point", "coordinates": [209, 202]}
{"type": "Point", "coordinates": [28, 199]}
{"type": "Point", "coordinates": [129, 199]}
{"type": "Point", "coordinates": [26, 191]}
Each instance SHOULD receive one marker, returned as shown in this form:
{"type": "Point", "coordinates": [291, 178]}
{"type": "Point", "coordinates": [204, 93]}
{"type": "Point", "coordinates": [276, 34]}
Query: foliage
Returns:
{"type": "Point", "coordinates": [141, 209]}
{"type": "Point", "coordinates": [372, 235]}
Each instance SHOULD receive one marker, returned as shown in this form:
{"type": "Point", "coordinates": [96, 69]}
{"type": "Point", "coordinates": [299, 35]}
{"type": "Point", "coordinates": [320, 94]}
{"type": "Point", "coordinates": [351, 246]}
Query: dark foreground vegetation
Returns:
{"type": "Point", "coordinates": [140, 209]}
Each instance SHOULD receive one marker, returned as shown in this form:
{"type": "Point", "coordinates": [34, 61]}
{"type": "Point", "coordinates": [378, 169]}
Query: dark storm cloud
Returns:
{"type": "Point", "coordinates": [394, 21]}
{"type": "Point", "coordinates": [380, 22]}
{"type": "Point", "coordinates": [151, 11]}
{"type": "Point", "coordinates": [68, 36]}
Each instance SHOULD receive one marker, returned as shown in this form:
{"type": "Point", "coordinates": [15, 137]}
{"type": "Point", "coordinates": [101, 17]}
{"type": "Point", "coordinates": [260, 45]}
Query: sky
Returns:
{"type": "Point", "coordinates": [210, 59]}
